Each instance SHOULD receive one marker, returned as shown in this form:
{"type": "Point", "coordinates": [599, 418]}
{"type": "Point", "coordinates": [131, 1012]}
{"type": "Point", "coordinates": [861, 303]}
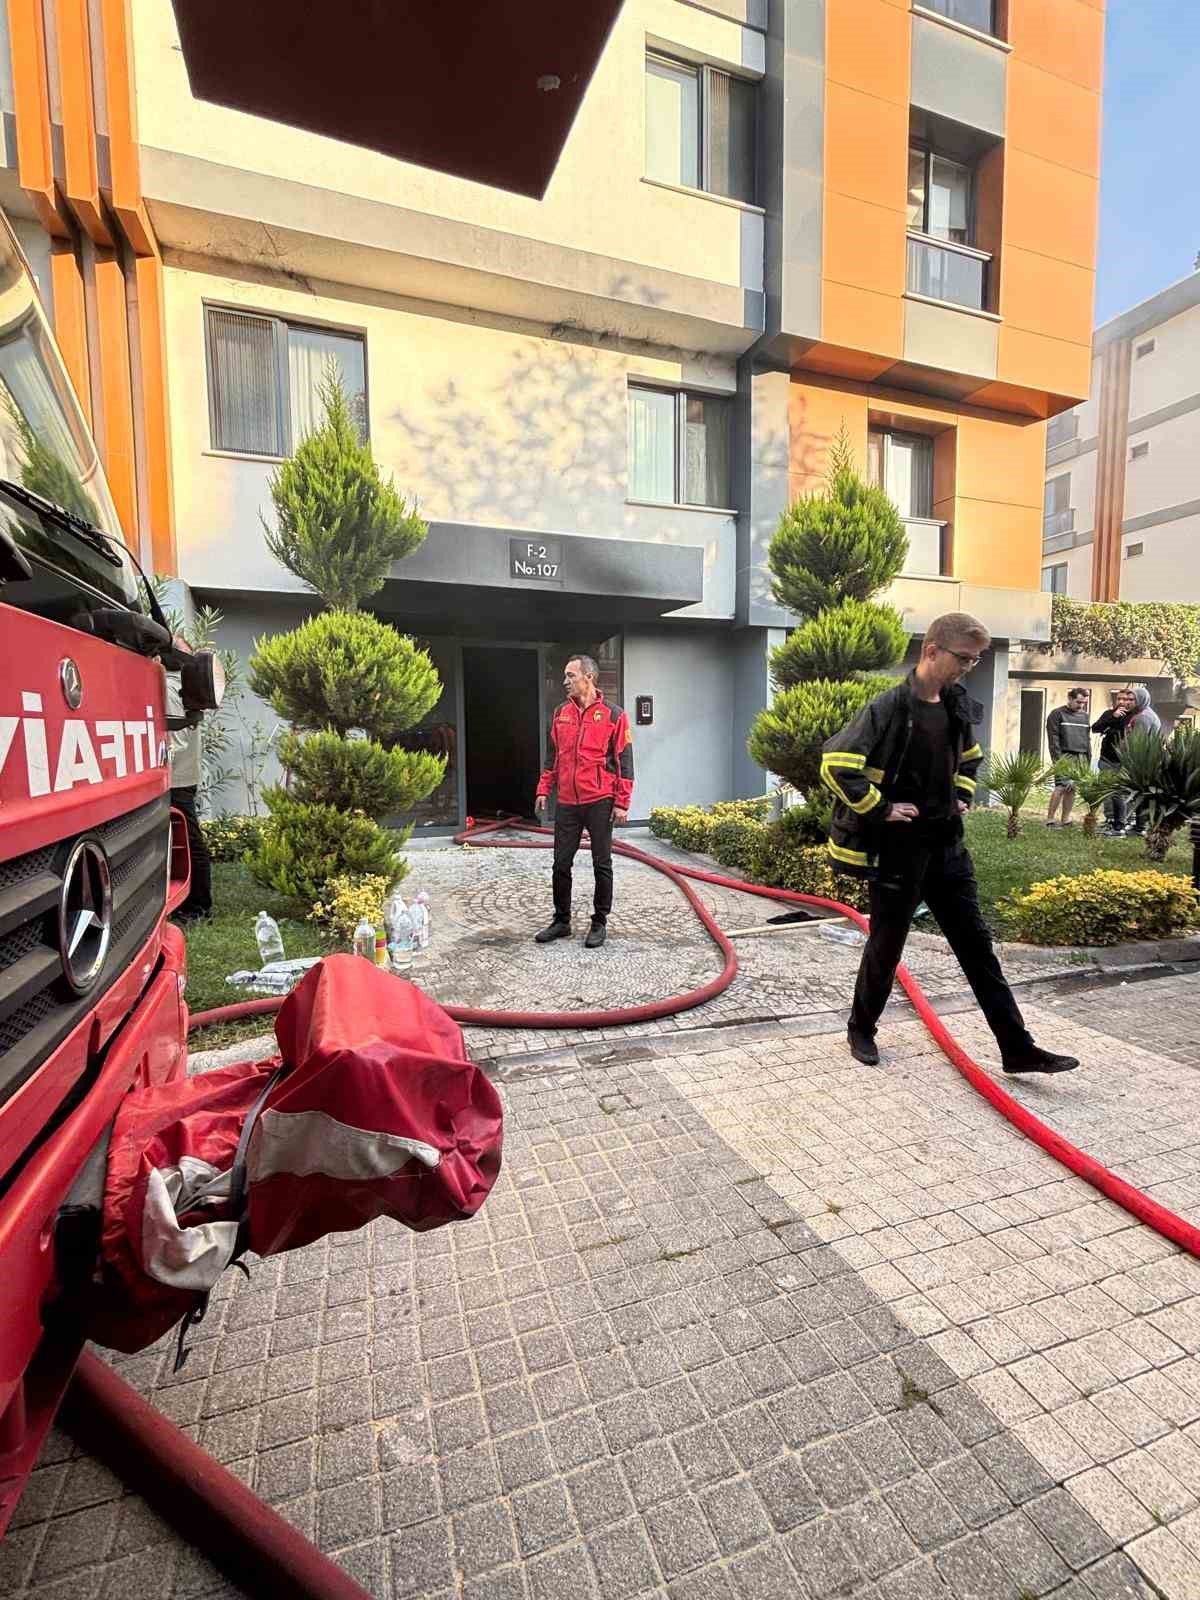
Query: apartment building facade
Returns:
{"type": "Point", "coordinates": [770, 221]}
{"type": "Point", "coordinates": [1122, 496]}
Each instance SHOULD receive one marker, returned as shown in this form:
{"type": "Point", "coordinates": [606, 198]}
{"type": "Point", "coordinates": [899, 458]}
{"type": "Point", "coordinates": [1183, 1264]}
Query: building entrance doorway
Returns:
{"type": "Point", "coordinates": [501, 708]}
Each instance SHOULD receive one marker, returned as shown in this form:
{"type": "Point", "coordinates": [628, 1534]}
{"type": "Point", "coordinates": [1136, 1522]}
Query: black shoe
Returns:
{"type": "Point", "coordinates": [556, 930]}
{"type": "Point", "coordinates": [1037, 1060]}
{"type": "Point", "coordinates": [862, 1048]}
{"type": "Point", "coordinates": [597, 934]}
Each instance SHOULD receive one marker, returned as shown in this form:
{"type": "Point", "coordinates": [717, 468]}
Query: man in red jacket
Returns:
{"type": "Point", "coordinates": [589, 764]}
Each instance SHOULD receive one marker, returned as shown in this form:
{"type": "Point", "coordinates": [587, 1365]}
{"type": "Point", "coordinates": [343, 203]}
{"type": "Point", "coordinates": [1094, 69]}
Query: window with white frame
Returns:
{"type": "Point", "coordinates": [1054, 579]}
{"type": "Point", "coordinates": [679, 447]}
{"type": "Point", "coordinates": [700, 128]}
{"type": "Point", "coordinates": [265, 379]}
{"type": "Point", "coordinates": [1057, 515]}
{"type": "Point", "coordinates": [943, 263]}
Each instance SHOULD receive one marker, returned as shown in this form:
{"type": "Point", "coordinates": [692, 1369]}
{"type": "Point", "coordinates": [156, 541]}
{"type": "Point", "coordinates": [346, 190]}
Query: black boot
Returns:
{"type": "Point", "coordinates": [597, 934]}
{"type": "Point", "coordinates": [556, 930]}
{"type": "Point", "coordinates": [1037, 1060]}
{"type": "Point", "coordinates": [862, 1048]}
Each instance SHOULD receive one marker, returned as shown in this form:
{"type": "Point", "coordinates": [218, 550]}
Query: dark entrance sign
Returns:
{"type": "Point", "coordinates": [539, 560]}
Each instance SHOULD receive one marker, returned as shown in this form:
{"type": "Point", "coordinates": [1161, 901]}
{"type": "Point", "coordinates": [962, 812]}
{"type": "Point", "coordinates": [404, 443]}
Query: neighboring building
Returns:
{"type": "Point", "coordinates": [769, 221]}
{"type": "Point", "coordinates": [1122, 499]}
{"type": "Point", "coordinates": [1121, 518]}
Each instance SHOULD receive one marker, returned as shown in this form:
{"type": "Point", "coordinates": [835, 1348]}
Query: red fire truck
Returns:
{"type": "Point", "coordinates": [92, 861]}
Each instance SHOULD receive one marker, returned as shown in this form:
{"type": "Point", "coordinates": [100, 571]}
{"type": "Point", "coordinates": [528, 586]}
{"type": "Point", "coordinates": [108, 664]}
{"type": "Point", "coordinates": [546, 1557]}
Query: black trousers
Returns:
{"type": "Point", "coordinates": [912, 870]}
{"type": "Point", "coordinates": [569, 823]}
{"type": "Point", "coordinates": [1116, 807]}
{"type": "Point", "coordinates": [199, 900]}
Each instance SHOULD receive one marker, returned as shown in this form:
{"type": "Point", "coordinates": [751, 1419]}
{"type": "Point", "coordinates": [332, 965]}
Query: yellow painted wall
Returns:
{"type": "Point", "coordinates": [988, 470]}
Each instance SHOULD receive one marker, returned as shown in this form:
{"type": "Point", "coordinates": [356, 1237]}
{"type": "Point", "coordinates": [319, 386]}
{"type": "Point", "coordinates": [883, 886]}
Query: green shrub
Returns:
{"type": "Point", "coordinates": [737, 842]}
{"type": "Point", "coordinates": [687, 827]}
{"type": "Point", "coordinates": [358, 774]}
{"type": "Point", "coordinates": [304, 846]}
{"type": "Point", "coordinates": [343, 670]}
{"type": "Point", "coordinates": [229, 837]}
{"type": "Point", "coordinates": [787, 737]}
{"type": "Point", "coordinates": [806, 869]}
{"type": "Point", "coordinates": [1102, 908]}
{"type": "Point", "coordinates": [757, 809]}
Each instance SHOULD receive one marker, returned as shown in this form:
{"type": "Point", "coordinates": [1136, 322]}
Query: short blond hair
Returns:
{"type": "Point", "coordinates": [957, 627]}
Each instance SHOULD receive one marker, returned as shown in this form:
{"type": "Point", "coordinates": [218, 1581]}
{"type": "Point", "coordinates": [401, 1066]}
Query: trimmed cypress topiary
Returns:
{"type": "Point", "coordinates": [833, 551]}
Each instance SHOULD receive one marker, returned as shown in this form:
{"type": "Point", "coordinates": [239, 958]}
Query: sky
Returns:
{"type": "Point", "coordinates": [1150, 168]}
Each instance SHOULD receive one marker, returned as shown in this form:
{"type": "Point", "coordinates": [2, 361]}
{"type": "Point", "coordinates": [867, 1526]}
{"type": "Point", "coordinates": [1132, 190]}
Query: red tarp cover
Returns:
{"type": "Point", "coordinates": [380, 1114]}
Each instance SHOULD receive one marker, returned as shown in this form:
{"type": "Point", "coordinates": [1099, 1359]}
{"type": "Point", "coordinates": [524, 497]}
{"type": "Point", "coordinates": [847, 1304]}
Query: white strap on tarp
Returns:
{"type": "Point", "coordinates": [308, 1143]}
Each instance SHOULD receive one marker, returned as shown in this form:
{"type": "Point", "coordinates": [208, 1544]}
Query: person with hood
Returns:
{"type": "Point", "coordinates": [1142, 719]}
{"type": "Point", "coordinates": [902, 774]}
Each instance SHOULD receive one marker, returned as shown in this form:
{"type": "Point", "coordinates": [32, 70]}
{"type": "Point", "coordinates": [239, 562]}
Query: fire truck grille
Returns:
{"type": "Point", "coordinates": [38, 1009]}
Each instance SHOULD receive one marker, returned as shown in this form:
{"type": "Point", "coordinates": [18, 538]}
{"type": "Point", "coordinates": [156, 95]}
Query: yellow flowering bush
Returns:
{"type": "Point", "coordinates": [1100, 908]}
{"type": "Point", "coordinates": [347, 900]}
{"type": "Point", "coordinates": [692, 827]}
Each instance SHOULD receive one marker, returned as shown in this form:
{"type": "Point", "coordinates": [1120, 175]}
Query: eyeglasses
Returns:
{"type": "Point", "coordinates": [967, 661]}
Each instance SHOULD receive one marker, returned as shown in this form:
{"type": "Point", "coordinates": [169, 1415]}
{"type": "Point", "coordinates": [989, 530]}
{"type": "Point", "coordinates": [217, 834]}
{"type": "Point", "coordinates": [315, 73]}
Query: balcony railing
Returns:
{"type": "Point", "coordinates": [1055, 523]}
{"type": "Point", "coordinates": [1062, 429]}
{"type": "Point", "coordinates": [926, 548]}
{"type": "Point", "coordinates": [977, 14]}
{"type": "Point", "coordinates": [955, 273]}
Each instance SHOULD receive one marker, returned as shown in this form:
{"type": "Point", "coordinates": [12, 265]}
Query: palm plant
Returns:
{"type": "Point", "coordinates": [1012, 779]}
{"type": "Point", "coordinates": [1163, 780]}
{"type": "Point", "coordinates": [1092, 787]}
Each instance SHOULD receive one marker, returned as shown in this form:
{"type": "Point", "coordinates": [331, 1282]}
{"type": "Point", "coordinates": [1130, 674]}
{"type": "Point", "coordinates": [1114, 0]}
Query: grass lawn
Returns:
{"type": "Point", "coordinates": [227, 944]}
{"type": "Point", "coordinates": [1003, 864]}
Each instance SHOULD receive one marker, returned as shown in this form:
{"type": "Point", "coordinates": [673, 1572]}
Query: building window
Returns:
{"type": "Point", "coordinates": [1054, 579]}
{"type": "Point", "coordinates": [1140, 450]}
{"type": "Point", "coordinates": [1146, 349]}
{"type": "Point", "coordinates": [679, 447]}
{"type": "Point", "coordinates": [264, 380]}
{"type": "Point", "coordinates": [943, 263]}
{"type": "Point", "coordinates": [1132, 551]}
{"type": "Point", "coordinates": [1057, 515]}
{"type": "Point", "coordinates": [700, 128]}
{"type": "Point", "coordinates": [1062, 429]}
{"type": "Point", "coordinates": [901, 464]}
{"type": "Point", "coordinates": [977, 14]}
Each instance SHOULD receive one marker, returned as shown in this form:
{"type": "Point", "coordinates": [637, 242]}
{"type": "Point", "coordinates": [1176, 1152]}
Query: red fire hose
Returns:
{"type": "Point", "coordinates": [201, 1495]}
{"type": "Point", "coordinates": [1139, 1205]}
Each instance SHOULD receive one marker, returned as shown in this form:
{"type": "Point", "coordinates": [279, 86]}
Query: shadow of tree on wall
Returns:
{"type": "Point", "coordinates": [540, 443]}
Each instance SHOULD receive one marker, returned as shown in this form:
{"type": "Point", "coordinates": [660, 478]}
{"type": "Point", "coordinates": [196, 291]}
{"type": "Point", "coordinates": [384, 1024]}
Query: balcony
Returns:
{"type": "Point", "coordinates": [977, 14]}
{"type": "Point", "coordinates": [1056, 523]}
{"type": "Point", "coordinates": [1063, 429]}
{"type": "Point", "coordinates": [955, 274]}
{"type": "Point", "coordinates": [926, 548]}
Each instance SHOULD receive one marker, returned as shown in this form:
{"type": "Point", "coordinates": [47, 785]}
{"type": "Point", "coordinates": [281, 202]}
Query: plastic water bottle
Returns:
{"type": "Point", "coordinates": [422, 921]}
{"type": "Point", "coordinates": [270, 940]}
{"type": "Point", "coordinates": [364, 940]}
{"type": "Point", "coordinates": [400, 933]}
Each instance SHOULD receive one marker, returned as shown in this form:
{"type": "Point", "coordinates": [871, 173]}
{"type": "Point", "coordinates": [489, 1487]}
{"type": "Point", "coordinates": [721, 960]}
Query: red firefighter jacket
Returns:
{"type": "Point", "coordinates": [589, 755]}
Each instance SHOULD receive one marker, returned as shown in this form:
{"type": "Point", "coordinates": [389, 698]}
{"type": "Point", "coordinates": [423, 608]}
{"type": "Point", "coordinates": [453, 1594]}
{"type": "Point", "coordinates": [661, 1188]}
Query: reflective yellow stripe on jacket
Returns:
{"type": "Point", "coordinates": [846, 760]}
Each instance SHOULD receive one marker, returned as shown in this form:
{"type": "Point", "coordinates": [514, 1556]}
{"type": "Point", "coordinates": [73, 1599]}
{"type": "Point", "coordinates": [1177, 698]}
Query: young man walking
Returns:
{"type": "Point", "coordinates": [589, 763]}
{"type": "Point", "coordinates": [1067, 734]}
{"type": "Point", "coordinates": [903, 774]}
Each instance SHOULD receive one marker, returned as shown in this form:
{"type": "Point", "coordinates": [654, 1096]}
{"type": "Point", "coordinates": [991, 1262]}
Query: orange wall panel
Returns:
{"type": "Point", "coordinates": [864, 245]}
{"type": "Point", "coordinates": [816, 413]}
{"type": "Point", "coordinates": [1049, 117]}
{"type": "Point", "coordinates": [1041, 362]}
{"type": "Point", "coordinates": [862, 319]}
{"type": "Point", "coordinates": [866, 147]}
{"type": "Point", "coordinates": [1050, 209]}
{"type": "Point", "coordinates": [1041, 295]}
{"type": "Point", "coordinates": [116, 391]}
{"type": "Point", "coordinates": [867, 45]}
{"type": "Point", "coordinates": [155, 413]}
{"type": "Point", "coordinates": [996, 544]}
{"type": "Point", "coordinates": [70, 319]}
{"type": "Point", "coordinates": [1065, 37]}
{"type": "Point", "coordinates": [1001, 461]}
